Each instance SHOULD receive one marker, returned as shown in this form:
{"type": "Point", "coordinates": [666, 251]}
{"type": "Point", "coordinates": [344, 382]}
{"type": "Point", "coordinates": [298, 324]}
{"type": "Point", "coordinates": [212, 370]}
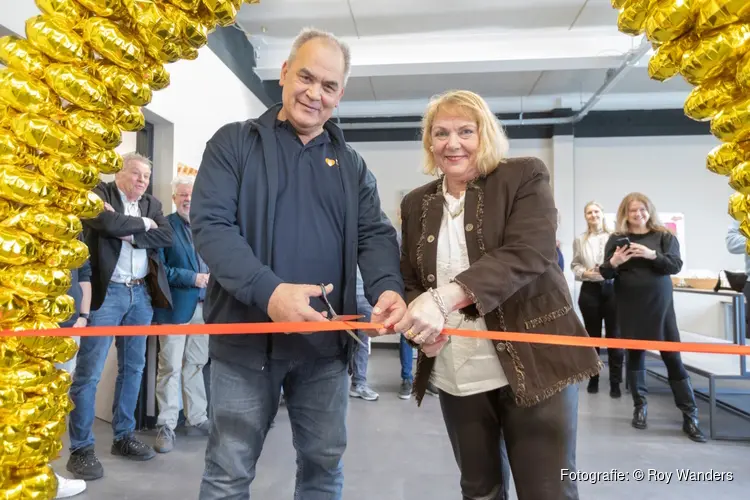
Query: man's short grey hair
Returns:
{"type": "Point", "coordinates": [308, 34]}
{"type": "Point", "coordinates": [182, 180]}
{"type": "Point", "coordinates": [135, 157]}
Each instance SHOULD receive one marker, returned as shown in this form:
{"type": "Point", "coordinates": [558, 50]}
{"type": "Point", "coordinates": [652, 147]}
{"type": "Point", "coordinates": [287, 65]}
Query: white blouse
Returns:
{"type": "Point", "coordinates": [588, 253]}
{"type": "Point", "coordinates": [465, 366]}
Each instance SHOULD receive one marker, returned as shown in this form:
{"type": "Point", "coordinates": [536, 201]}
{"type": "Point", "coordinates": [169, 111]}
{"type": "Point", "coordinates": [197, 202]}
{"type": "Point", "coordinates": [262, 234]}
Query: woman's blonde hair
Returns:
{"type": "Point", "coordinates": [593, 203]}
{"type": "Point", "coordinates": [493, 143]}
{"type": "Point", "coordinates": [653, 224]}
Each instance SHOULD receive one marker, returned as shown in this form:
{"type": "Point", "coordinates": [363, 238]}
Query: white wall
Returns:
{"type": "Point", "coordinates": [670, 170]}
{"type": "Point", "coordinates": [202, 96]}
{"type": "Point", "coordinates": [398, 166]}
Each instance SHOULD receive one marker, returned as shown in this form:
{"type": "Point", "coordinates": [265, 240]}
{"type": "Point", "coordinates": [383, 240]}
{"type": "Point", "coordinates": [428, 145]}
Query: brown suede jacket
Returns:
{"type": "Point", "coordinates": [510, 221]}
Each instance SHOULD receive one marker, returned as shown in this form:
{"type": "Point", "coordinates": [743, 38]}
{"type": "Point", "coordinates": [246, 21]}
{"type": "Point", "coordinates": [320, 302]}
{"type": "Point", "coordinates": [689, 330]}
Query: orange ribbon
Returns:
{"type": "Point", "coordinates": [346, 323]}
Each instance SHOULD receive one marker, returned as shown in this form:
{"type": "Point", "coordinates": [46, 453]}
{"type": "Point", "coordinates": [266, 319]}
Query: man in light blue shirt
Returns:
{"type": "Point", "coordinates": [736, 241]}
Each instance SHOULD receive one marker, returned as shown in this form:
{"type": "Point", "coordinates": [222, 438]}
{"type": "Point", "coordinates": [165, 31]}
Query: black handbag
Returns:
{"type": "Point", "coordinates": [736, 281]}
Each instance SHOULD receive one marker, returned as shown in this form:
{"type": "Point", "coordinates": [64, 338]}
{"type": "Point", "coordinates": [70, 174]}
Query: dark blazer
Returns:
{"type": "Point", "coordinates": [232, 215]}
{"type": "Point", "coordinates": [514, 279]}
{"type": "Point", "coordinates": [181, 264]}
{"type": "Point", "coordinates": [102, 235]}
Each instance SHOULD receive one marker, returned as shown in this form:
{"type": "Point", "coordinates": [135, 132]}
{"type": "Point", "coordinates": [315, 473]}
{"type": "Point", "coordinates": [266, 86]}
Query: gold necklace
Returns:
{"type": "Point", "coordinates": [456, 213]}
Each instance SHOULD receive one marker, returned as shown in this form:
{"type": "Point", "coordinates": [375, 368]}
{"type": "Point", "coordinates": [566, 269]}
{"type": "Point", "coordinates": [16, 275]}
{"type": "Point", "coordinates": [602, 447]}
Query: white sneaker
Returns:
{"type": "Point", "coordinates": [67, 488]}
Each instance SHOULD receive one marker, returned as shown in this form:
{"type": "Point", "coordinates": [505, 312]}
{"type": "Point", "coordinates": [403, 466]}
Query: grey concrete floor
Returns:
{"type": "Point", "coordinates": [398, 452]}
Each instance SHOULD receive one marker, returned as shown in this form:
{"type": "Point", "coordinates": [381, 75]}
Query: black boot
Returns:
{"type": "Point", "coordinates": [684, 398]}
{"type": "Point", "coordinates": [614, 390]}
{"type": "Point", "coordinates": [593, 387]}
{"type": "Point", "coordinates": [637, 383]}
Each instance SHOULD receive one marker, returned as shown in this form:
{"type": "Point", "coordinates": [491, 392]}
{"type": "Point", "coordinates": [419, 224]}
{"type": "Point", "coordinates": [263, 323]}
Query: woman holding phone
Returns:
{"type": "Point", "coordinates": [640, 256]}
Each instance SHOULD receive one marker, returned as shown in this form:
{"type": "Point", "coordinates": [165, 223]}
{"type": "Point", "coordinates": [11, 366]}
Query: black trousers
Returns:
{"type": "Point", "coordinates": [597, 304]}
{"type": "Point", "coordinates": [540, 441]}
{"type": "Point", "coordinates": [672, 361]}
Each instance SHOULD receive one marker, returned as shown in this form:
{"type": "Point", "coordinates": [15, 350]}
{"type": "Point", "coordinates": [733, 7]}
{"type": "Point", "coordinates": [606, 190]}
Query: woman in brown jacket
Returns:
{"type": "Point", "coordinates": [479, 254]}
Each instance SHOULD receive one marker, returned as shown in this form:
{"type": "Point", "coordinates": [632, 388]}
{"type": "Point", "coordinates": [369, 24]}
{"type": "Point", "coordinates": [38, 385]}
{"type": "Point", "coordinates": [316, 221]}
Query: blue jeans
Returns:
{"type": "Point", "coordinates": [406, 353]}
{"type": "Point", "coordinates": [244, 402]}
{"type": "Point", "coordinates": [358, 364]}
{"type": "Point", "coordinates": [124, 306]}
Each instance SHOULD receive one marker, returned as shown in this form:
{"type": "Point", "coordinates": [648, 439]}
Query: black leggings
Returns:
{"type": "Point", "coordinates": [672, 360]}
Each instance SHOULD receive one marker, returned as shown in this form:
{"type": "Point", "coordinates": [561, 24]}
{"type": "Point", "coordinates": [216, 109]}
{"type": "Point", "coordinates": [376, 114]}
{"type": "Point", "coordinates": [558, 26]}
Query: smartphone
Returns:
{"type": "Point", "coordinates": [623, 242]}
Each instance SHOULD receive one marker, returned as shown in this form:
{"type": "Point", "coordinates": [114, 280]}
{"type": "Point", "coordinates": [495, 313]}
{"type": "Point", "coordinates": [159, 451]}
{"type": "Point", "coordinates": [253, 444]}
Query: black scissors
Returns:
{"type": "Point", "coordinates": [334, 316]}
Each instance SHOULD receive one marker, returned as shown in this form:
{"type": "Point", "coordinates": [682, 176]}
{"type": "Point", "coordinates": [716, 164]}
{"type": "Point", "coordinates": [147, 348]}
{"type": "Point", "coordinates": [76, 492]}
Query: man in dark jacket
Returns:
{"type": "Point", "coordinates": [127, 277]}
{"type": "Point", "coordinates": [282, 204]}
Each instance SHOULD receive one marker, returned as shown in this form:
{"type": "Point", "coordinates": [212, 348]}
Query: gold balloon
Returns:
{"type": "Point", "coordinates": [17, 247]}
{"type": "Point", "coordinates": [69, 12]}
{"type": "Point", "coordinates": [667, 60]}
{"type": "Point", "coordinates": [29, 377]}
{"type": "Point", "coordinates": [46, 223]}
{"type": "Point", "coordinates": [732, 124]}
{"type": "Point", "coordinates": [24, 186]}
{"type": "Point", "coordinates": [56, 40]}
{"type": "Point", "coordinates": [9, 397]}
{"type": "Point", "coordinates": [18, 53]}
{"type": "Point", "coordinates": [165, 51]}
{"type": "Point", "coordinates": [34, 282]}
{"type": "Point", "coordinates": [714, 52]}
{"type": "Point", "coordinates": [707, 100]}
{"type": "Point", "coordinates": [46, 135]}
{"type": "Point", "coordinates": [78, 87]}
{"type": "Point", "coordinates": [104, 8]}
{"type": "Point", "coordinates": [191, 28]}
{"type": "Point", "coordinates": [107, 161]}
{"type": "Point", "coordinates": [128, 118]}
{"type": "Point", "coordinates": [8, 209]}
{"type": "Point", "coordinates": [26, 94]}
{"type": "Point", "coordinates": [723, 158]}
{"type": "Point", "coordinates": [188, 5]}
{"type": "Point", "coordinates": [712, 14]}
{"type": "Point", "coordinates": [225, 11]}
{"type": "Point", "coordinates": [739, 205]}
{"type": "Point", "coordinates": [95, 129]}
{"type": "Point", "coordinates": [631, 19]}
{"type": "Point", "coordinates": [123, 84]}
{"type": "Point", "coordinates": [70, 173]}
{"type": "Point", "coordinates": [84, 204]}
{"type": "Point", "coordinates": [739, 178]}
{"type": "Point", "coordinates": [12, 308]}
{"type": "Point", "coordinates": [670, 19]}
{"type": "Point", "coordinates": [40, 484]}
{"type": "Point", "coordinates": [57, 309]}
{"type": "Point", "coordinates": [12, 151]}
{"type": "Point", "coordinates": [113, 43]}
{"type": "Point", "coordinates": [743, 71]}
{"type": "Point", "coordinates": [150, 17]}
{"type": "Point", "coordinates": [155, 74]}
{"type": "Point", "coordinates": [70, 254]}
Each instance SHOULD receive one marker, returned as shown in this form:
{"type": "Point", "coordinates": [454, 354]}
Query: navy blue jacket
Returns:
{"type": "Point", "coordinates": [181, 266]}
{"type": "Point", "coordinates": [232, 218]}
{"type": "Point", "coordinates": [77, 276]}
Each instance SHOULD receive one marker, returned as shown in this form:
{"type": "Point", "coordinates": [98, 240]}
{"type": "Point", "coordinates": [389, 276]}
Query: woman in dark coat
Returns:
{"type": "Point", "coordinates": [640, 256]}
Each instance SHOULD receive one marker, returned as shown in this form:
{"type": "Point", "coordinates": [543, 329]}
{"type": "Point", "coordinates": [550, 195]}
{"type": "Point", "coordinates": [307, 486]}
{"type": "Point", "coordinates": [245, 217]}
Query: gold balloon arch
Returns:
{"type": "Point", "coordinates": [69, 89]}
{"type": "Point", "coordinates": [707, 42]}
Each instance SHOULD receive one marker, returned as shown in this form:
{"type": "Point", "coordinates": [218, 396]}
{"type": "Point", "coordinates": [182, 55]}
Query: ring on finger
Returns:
{"type": "Point", "coordinates": [409, 334]}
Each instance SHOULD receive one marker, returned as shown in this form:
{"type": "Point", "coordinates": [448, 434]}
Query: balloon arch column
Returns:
{"type": "Point", "coordinates": [78, 79]}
